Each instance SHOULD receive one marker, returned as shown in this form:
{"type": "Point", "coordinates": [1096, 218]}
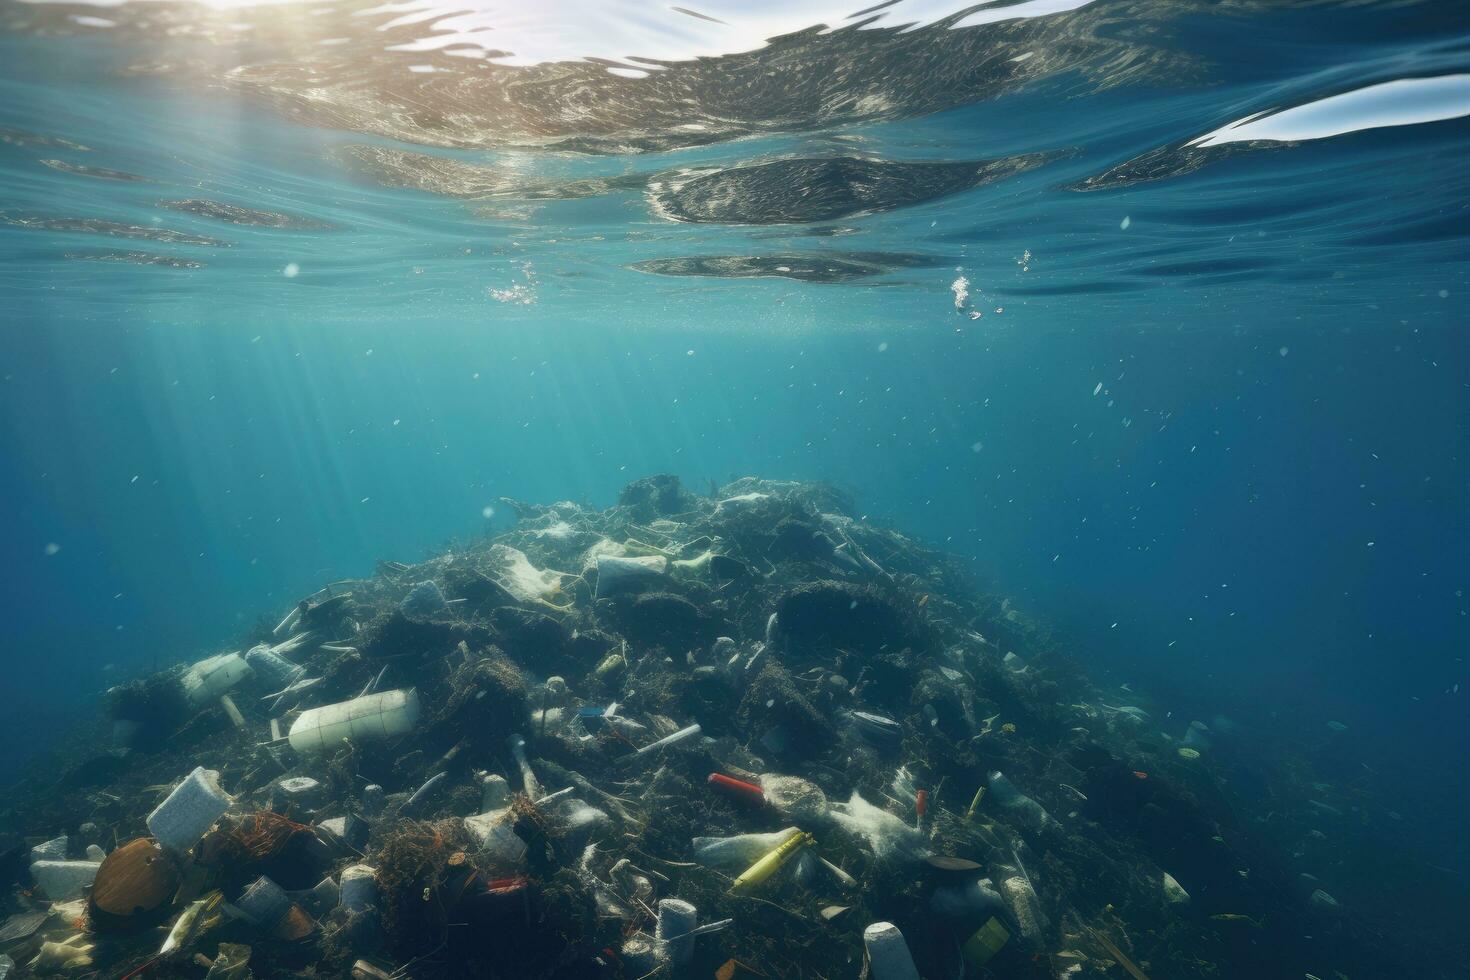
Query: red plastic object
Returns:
{"type": "Point", "coordinates": [921, 802]}
{"type": "Point", "coordinates": [749, 792]}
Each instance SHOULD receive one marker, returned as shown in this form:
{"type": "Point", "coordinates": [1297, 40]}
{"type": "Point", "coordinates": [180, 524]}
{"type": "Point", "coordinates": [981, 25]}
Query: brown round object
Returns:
{"type": "Point", "coordinates": [456, 859]}
{"type": "Point", "coordinates": [134, 880]}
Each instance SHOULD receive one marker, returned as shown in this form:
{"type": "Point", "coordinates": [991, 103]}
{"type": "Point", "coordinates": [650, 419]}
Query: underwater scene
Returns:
{"type": "Point", "coordinates": [732, 490]}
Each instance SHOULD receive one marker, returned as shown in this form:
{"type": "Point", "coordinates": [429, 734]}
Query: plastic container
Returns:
{"type": "Point", "coordinates": [358, 889]}
{"type": "Point", "coordinates": [208, 679]}
{"type": "Point", "coordinates": [264, 903]}
{"type": "Point", "coordinates": [984, 944]}
{"type": "Point", "coordinates": [888, 953]}
{"type": "Point", "coordinates": [191, 809]}
{"type": "Point", "coordinates": [375, 716]}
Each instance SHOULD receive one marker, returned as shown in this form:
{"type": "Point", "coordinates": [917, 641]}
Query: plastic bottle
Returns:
{"type": "Point", "coordinates": [771, 863]}
{"type": "Point", "coordinates": [372, 717]}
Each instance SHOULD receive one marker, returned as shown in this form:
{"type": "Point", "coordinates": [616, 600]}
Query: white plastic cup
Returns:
{"type": "Point", "coordinates": [888, 953]}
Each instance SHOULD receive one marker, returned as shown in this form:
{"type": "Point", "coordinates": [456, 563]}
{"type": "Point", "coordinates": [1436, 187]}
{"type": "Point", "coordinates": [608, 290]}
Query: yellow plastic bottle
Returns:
{"type": "Point", "coordinates": [772, 862]}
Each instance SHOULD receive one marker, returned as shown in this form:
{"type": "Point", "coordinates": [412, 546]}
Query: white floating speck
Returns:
{"type": "Point", "coordinates": [291, 271]}
{"type": "Point", "coordinates": [1127, 220]}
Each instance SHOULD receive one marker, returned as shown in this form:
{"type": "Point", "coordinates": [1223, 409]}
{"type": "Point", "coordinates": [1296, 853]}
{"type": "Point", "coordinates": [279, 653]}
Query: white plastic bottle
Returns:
{"type": "Point", "coordinates": [370, 717]}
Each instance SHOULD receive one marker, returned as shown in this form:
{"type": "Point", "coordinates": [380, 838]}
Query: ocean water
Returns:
{"type": "Point", "coordinates": [1154, 311]}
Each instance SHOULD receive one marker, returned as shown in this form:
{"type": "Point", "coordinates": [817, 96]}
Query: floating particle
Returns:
{"type": "Point", "coordinates": [487, 512]}
{"type": "Point", "coordinates": [883, 347]}
{"type": "Point", "coordinates": [291, 271]}
{"type": "Point", "coordinates": [1098, 390]}
{"type": "Point", "coordinates": [52, 548]}
{"type": "Point", "coordinates": [1125, 222]}
{"type": "Point", "coordinates": [961, 289]}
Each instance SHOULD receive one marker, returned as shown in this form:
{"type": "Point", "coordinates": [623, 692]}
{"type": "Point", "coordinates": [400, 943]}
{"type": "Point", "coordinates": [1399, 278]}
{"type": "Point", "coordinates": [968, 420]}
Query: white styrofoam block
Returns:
{"type": "Point", "coordinates": [191, 809]}
{"type": "Point", "coordinates": [51, 850]}
{"type": "Point", "coordinates": [62, 881]}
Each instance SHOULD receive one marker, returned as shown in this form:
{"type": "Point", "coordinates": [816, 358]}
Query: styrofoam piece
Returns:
{"type": "Point", "coordinates": [264, 903]}
{"type": "Point", "coordinates": [301, 790]}
{"type": "Point", "coordinates": [1025, 907]}
{"type": "Point", "coordinates": [275, 669]}
{"type": "Point", "coordinates": [497, 840]}
{"type": "Point", "coordinates": [191, 809]}
{"type": "Point", "coordinates": [95, 853]}
{"type": "Point", "coordinates": [62, 881]}
{"type": "Point", "coordinates": [676, 919]}
{"type": "Point", "coordinates": [617, 574]}
{"type": "Point", "coordinates": [208, 679]}
{"type": "Point", "coordinates": [374, 716]}
{"type": "Point", "coordinates": [52, 850]}
{"type": "Point", "coordinates": [359, 887]}
{"type": "Point", "coordinates": [888, 953]}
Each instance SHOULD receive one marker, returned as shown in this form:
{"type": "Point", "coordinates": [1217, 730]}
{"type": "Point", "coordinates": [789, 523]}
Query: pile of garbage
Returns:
{"type": "Point", "coordinates": [743, 734]}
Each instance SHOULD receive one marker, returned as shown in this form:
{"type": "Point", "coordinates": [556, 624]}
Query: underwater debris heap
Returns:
{"type": "Point", "coordinates": [737, 735]}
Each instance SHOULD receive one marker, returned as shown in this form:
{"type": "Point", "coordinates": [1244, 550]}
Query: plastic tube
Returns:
{"type": "Point", "coordinates": [737, 788]}
{"type": "Point", "coordinates": [888, 953]}
{"type": "Point", "coordinates": [375, 716]}
{"type": "Point", "coordinates": [665, 742]}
